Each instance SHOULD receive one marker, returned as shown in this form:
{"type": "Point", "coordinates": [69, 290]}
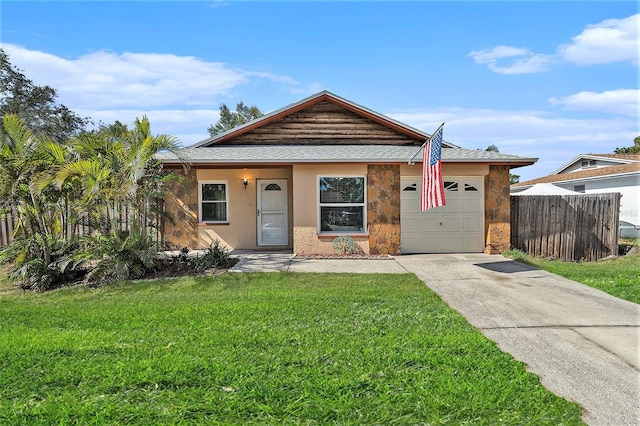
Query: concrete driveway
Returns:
{"type": "Point", "coordinates": [581, 342]}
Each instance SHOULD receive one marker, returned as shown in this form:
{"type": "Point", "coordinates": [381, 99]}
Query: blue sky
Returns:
{"type": "Point", "coordinates": [539, 79]}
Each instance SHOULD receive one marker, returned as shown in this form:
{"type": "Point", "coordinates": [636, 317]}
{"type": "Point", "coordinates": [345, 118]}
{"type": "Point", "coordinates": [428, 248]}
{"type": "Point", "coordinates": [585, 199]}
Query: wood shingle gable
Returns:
{"type": "Point", "coordinates": [324, 123]}
{"type": "Point", "coordinates": [322, 119]}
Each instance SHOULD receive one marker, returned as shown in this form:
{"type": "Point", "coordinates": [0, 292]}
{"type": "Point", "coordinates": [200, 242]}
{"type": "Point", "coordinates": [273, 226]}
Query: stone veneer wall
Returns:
{"type": "Point", "coordinates": [383, 209]}
{"type": "Point", "coordinates": [497, 210]}
{"type": "Point", "coordinates": [181, 201]}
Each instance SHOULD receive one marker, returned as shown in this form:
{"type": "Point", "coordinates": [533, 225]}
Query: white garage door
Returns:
{"type": "Point", "coordinates": [457, 227]}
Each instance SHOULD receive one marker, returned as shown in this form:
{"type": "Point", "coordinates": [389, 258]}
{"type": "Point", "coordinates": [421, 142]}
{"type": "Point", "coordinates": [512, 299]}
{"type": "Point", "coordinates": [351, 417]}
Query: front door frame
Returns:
{"type": "Point", "coordinates": [285, 211]}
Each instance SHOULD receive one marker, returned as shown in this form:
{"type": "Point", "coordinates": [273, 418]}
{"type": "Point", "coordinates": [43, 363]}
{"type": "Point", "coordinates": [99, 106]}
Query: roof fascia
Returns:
{"type": "Point", "coordinates": [511, 164]}
{"type": "Point", "coordinates": [578, 180]}
{"type": "Point", "coordinates": [601, 177]}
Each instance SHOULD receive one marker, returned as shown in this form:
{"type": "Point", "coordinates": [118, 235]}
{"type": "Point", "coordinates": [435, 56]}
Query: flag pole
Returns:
{"type": "Point", "coordinates": [411, 163]}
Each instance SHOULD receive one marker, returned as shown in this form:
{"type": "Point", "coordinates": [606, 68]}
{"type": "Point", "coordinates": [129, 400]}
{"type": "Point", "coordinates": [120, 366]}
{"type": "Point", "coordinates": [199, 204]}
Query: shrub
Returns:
{"type": "Point", "coordinates": [344, 244]}
{"type": "Point", "coordinates": [119, 255]}
{"type": "Point", "coordinates": [28, 268]}
{"type": "Point", "coordinates": [214, 256]}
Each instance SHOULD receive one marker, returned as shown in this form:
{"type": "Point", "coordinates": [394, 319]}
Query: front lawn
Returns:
{"type": "Point", "coordinates": [271, 348]}
{"type": "Point", "coordinates": [619, 277]}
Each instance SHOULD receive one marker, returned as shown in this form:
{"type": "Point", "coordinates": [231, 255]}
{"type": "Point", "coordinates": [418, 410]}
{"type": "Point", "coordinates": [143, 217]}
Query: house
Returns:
{"type": "Point", "coordinates": [598, 173]}
{"type": "Point", "coordinates": [324, 167]}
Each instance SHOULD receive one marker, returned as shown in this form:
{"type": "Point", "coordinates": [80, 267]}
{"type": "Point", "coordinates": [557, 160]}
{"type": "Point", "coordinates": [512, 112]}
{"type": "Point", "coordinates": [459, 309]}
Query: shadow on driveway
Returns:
{"type": "Point", "coordinates": [507, 266]}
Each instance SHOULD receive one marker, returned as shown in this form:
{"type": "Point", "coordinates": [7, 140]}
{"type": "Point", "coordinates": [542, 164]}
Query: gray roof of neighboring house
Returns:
{"type": "Point", "coordinates": [579, 175]}
{"type": "Point", "coordinates": [616, 158]}
{"type": "Point", "coordinates": [289, 154]}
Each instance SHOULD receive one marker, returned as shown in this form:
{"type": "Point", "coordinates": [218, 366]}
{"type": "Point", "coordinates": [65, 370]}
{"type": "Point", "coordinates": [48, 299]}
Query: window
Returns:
{"type": "Point", "coordinates": [214, 202]}
{"type": "Point", "coordinates": [588, 164]}
{"type": "Point", "coordinates": [450, 186]}
{"type": "Point", "coordinates": [412, 187]}
{"type": "Point", "coordinates": [578, 188]}
{"type": "Point", "coordinates": [341, 204]}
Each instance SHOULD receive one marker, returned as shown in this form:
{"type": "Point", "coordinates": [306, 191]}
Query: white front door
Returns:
{"type": "Point", "coordinates": [272, 212]}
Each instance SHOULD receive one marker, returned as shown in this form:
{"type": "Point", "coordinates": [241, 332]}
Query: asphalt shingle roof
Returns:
{"type": "Point", "coordinates": [584, 174]}
{"type": "Point", "coordinates": [289, 154]}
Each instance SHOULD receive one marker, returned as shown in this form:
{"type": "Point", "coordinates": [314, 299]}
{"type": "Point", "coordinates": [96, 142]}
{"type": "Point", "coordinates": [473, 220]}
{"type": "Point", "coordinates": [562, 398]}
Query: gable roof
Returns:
{"type": "Point", "coordinates": [616, 158]}
{"type": "Point", "coordinates": [622, 169]}
{"type": "Point", "coordinates": [325, 96]}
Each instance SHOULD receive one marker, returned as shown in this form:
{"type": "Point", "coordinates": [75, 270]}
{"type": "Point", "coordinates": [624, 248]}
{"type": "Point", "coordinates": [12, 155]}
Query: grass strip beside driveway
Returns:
{"type": "Point", "coordinates": [619, 277]}
{"type": "Point", "coordinates": [269, 348]}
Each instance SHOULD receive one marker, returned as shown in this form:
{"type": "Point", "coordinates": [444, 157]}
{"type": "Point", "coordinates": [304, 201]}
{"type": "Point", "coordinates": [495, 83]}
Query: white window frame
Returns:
{"type": "Point", "coordinates": [363, 205]}
{"type": "Point", "coordinates": [226, 201]}
{"type": "Point", "coordinates": [588, 164]}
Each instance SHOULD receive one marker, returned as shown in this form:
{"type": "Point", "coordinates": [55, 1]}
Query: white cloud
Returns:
{"type": "Point", "coordinates": [621, 101]}
{"type": "Point", "coordinates": [523, 61]}
{"type": "Point", "coordinates": [552, 139]}
{"type": "Point", "coordinates": [180, 95]}
{"type": "Point", "coordinates": [189, 126]}
{"type": "Point", "coordinates": [612, 40]}
{"type": "Point", "coordinates": [106, 80]}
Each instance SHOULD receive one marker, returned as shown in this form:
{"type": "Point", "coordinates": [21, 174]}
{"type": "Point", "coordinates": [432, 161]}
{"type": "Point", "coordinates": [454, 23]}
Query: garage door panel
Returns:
{"type": "Point", "coordinates": [456, 227]}
{"type": "Point", "coordinates": [472, 223]}
{"type": "Point", "coordinates": [454, 205]}
{"type": "Point", "coordinates": [473, 205]}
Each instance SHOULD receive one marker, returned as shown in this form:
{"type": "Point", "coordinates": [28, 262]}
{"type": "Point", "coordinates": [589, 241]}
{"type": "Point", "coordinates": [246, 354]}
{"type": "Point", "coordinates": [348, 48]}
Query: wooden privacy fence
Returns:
{"type": "Point", "coordinates": [566, 227]}
{"type": "Point", "coordinates": [153, 225]}
{"type": "Point", "coordinates": [7, 222]}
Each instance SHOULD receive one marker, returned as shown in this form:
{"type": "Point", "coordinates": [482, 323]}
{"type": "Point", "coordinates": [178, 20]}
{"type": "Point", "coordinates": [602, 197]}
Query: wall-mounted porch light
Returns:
{"type": "Point", "coordinates": [245, 182]}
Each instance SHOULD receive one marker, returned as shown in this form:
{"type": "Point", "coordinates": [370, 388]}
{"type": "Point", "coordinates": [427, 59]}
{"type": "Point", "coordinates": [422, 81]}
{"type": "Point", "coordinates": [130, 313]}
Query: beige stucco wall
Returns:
{"type": "Point", "coordinates": [302, 179]}
{"type": "Point", "coordinates": [241, 231]}
{"type": "Point", "coordinates": [305, 206]}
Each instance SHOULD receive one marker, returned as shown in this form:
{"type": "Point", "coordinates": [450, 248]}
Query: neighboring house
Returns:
{"type": "Point", "coordinates": [324, 167]}
{"type": "Point", "coordinates": [599, 173]}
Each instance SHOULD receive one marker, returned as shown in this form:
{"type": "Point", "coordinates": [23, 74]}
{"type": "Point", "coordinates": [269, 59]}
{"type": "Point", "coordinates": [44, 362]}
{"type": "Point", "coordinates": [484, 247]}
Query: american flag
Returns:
{"type": "Point", "coordinates": [432, 194]}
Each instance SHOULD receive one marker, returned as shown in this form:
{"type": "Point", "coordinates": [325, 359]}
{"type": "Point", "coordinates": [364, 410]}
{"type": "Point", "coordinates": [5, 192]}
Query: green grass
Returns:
{"type": "Point", "coordinates": [618, 277]}
{"type": "Point", "coordinates": [279, 348]}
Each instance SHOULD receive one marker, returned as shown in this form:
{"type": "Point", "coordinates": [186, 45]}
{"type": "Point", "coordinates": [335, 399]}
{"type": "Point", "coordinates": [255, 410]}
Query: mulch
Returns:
{"type": "Point", "coordinates": [311, 256]}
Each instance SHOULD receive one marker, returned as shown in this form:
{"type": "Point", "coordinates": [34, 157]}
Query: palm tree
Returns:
{"type": "Point", "coordinates": [118, 176]}
{"type": "Point", "coordinates": [24, 159]}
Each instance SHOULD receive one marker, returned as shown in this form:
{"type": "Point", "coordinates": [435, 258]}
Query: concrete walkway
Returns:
{"type": "Point", "coordinates": [581, 342]}
{"type": "Point", "coordinates": [288, 262]}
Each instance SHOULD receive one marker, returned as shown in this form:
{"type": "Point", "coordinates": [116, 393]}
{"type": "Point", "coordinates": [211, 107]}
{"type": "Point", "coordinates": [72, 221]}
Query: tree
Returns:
{"type": "Point", "coordinates": [109, 178]}
{"type": "Point", "coordinates": [117, 172]}
{"type": "Point", "coordinates": [36, 105]}
{"type": "Point", "coordinates": [228, 119]}
{"type": "Point", "coordinates": [634, 149]}
{"type": "Point", "coordinates": [25, 158]}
